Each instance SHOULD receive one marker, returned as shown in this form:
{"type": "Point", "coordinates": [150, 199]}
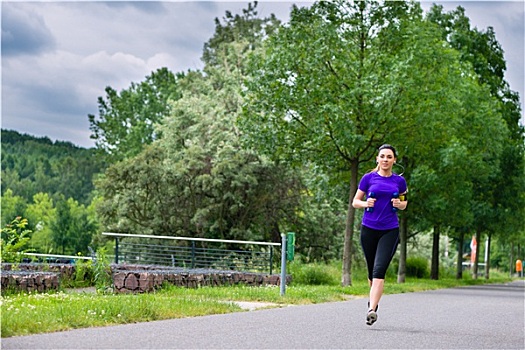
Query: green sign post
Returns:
{"type": "Point", "coordinates": [290, 246]}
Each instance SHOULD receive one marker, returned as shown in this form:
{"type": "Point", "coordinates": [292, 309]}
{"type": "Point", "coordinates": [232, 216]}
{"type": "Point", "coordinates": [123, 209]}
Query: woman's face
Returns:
{"type": "Point", "coordinates": [386, 159]}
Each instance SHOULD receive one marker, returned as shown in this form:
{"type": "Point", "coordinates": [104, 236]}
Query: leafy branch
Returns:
{"type": "Point", "coordinates": [14, 239]}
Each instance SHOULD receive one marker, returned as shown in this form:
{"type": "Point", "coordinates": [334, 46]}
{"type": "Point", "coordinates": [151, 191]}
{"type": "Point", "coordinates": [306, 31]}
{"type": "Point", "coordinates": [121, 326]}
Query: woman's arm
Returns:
{"type": "Point", "coordinates": [359, 203]}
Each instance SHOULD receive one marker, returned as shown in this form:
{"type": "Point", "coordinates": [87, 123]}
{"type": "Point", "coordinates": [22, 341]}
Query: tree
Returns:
{"type": "Point", "coordinates": [248, 28]}
{"type": "Point", "coordinates": [61, 227]}
{"type": "Point", "coordinates": [139, 196]}
{"type": "Point", "coordinates": [40, 215]}
{"type": "Point", "coordinates": [239, 191]}
{"type": "Point", "coordinates": [126, 121]}
{"type": "Point", "coordinates": [345, 77]}
{"type": "Point", "coordinates": [83, 228]}
{"type": "Point", "coordinates": [198, 179]}
{"type": "Point", "coordinates": [72, 230]}
{"type": "Point", "coordinates": [12, 206]}
{"type": "Point", "coordinates": [482, 50]}
{"type": "Point", "coordinates": [445, 180]}
{"type": "Point", "coordinates": [206, 183]}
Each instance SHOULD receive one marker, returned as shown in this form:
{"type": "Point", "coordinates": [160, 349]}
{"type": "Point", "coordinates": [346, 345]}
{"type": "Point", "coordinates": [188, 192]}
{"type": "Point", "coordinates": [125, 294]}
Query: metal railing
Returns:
{"type": "Point", "coordinates": [58, 257]}
{"type": "Point", "coordinates": [196, 254]}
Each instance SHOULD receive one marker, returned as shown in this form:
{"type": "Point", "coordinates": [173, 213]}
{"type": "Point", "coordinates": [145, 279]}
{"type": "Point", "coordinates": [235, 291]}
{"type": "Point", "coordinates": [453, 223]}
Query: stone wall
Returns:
{"type": "Point", "coordinates": [64, 270]}
{"type": "Point", "coordinates": [31, 277]}
{"type": "Point", "coordinates": [27, 281]}
{"type": "Point", "coordinates": [147, 280]}
{"type": "Point", "coordinates": [34, 277]}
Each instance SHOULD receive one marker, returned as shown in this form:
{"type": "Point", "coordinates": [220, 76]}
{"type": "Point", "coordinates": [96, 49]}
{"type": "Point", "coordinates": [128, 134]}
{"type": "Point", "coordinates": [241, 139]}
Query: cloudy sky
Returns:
{"type": "Point", "coordinates": [58, 57]}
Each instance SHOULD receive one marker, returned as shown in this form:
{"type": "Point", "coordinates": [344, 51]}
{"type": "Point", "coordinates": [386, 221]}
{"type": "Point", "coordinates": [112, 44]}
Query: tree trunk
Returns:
{"type": "Point", "coordinates": [403, 234]}
{"type": "Point", "coordinates": [275, 234]}
{"type": "Point", "coordinates": [511, 258]}
{"type": "Point", "coordinates": [459, 261]}
{"type": "Point", "coordinates": [349, 229]}
{"type": "Point", "coordinates": [487, 253]}
{"type": "Point", "coordinates": [434, 268]}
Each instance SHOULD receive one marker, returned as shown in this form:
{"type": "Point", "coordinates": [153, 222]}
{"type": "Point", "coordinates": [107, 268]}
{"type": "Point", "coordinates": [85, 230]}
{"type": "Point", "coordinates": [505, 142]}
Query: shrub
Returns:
{"type": "Point", "coordinates": [84, 273]}
{"type": "Point", "coordinates": [314, 274]}
{"type": "Point", "coordinates": [417, 267]}
{"type": "Point", "coordinates": [14, 240]}
{"type": "Point", "coordinates": [103, 278]}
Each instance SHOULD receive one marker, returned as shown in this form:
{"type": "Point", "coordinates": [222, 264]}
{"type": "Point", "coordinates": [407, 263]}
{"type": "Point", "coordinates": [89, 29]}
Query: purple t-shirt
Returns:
{"type": "Point", "coordinates": [382, 217]}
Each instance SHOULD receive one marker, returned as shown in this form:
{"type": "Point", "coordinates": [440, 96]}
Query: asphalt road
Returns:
{"type": "Point", "coordinates": [477, 317]}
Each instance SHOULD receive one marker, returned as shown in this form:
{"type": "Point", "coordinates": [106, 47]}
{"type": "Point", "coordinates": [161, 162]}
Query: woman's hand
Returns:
{"type": "Point", "coordinates": [399, 204]}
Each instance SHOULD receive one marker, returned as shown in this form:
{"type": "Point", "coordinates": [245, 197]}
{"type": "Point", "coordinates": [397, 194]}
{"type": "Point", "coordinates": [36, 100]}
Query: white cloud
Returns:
{"type": "Point", "coordinates": [161, 60]}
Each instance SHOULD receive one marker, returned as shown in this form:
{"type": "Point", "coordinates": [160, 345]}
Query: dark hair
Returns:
{"type": "Point", "coordinates": [390, 147]}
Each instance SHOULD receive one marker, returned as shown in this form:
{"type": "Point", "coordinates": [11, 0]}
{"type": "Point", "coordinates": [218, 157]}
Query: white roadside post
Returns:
{"type": "Point", "coordinates": [283, 263]}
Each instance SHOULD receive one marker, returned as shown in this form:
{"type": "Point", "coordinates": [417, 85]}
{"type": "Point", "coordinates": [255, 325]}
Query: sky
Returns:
{"type": "Point", "coordinates": [57, 57]}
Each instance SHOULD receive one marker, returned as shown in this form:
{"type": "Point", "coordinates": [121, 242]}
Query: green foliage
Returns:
{"type": "Point", "coordinates": [273, 135]}
{"type": "Point", "coordinates": [494, 133]}
{"type": "Point", "coordinates": [314, 274]}
{"type": "Point", "coordinates": [12, 206]}
{"type": "Point", "coordinates": [417, 267]}
{"type": "Point", "coordinates": [31, 165]}
{"type": "Point", "coordinates": [36, 175]}
{"type": "Point", "coordinates": [72, 228]}
{"type": "Point", "coordinates": [318, 228]}
{"type": "Point", "coordinates": [127, 120]}
{"type": "Point", "coordinates": [67, 228]}
{"type": "Point", "coordinates": [84, 273]}
{"type": "Point", "coordinates": [197, 179]}
{"type": "Point", "coordinates": [313, 97]}
{"type": "Point", "coordinates": [504, 252]}
{"type": "Point", "coordinates": [83, 276]}
{"type": "Point", "coordinates": [344, 77]}
{"type": "Point", "coordinates": [13, 240]}
{"type": "Point", "coordinates": [41, 212]}
{"type": "Point", "coordinates": [102, 272]}
{"type": "Point", "coordinates": [238, 28]}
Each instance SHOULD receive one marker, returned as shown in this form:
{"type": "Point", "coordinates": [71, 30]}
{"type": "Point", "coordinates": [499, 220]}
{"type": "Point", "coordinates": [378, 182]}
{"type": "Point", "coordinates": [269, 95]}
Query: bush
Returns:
{"type": "Point", "coordinates": [84, 273]}
{"type": "Point", "coordinates": [314, 274]}
{"type": "Point", "coordinates": [417, 267]}
{"type": "Point", "coordinates": [103, 278]}
{"type": "Point", "coordinates": [13, 241]}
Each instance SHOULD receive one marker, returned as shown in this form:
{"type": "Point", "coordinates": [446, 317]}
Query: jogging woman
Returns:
{"type": "Point", "coordinates": [381, 193]}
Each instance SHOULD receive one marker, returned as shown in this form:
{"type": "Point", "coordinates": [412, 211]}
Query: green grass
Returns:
{"type": "Point", "coordinates": [24, 314]}
{"type": "Point", "coordinates": [40, 313]}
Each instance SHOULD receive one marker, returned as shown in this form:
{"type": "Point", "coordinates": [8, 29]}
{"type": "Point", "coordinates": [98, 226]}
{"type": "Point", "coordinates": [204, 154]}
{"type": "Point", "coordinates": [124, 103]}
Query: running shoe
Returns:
{"type": "Point", "coordinates": [371, 317]}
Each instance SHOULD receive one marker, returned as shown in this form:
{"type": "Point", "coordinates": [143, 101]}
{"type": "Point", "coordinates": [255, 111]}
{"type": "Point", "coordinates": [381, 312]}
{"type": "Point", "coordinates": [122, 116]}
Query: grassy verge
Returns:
{"type": "Point", "coordinates": [24, 314]}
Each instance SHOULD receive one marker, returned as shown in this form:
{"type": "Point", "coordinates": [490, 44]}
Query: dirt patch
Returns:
{"type": "Point", "coordinates": [251, 305]}
{"type": "Point", "coordinates": [86, 290]}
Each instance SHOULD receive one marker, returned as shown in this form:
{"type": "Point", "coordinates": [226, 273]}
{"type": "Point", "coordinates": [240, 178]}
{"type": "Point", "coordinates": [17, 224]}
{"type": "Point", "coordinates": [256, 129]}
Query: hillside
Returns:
{"type": "Point", "coordinates": [36, 164]}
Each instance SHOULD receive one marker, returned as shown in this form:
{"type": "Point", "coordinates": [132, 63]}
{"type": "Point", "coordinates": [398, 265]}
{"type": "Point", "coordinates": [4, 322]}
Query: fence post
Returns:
{"type": "Point", "coordinates": [283, 264]}
{"type": "Point", "coordinates": [271, 259]}
{"type": "Point", "coordinates": [193, 254]}
{"type": "Point", "coordinates": [116, 250]}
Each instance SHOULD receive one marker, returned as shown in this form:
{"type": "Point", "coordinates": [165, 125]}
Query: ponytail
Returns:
{"type": "Point", "coordinates": [376, 169]}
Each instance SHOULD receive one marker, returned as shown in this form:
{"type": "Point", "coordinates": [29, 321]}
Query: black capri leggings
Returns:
{"type": "Point", "coordinates": [379, 247]}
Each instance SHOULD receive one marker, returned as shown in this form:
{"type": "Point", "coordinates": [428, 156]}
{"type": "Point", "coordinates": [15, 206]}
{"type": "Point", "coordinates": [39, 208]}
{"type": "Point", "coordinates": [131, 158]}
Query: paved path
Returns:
{"type": "Point", "coordinates": [478, 317]}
